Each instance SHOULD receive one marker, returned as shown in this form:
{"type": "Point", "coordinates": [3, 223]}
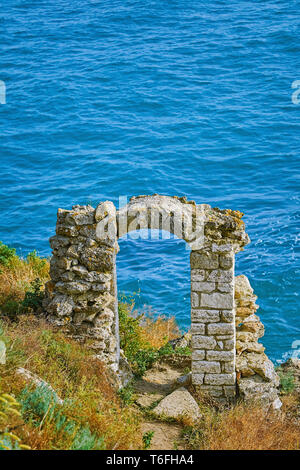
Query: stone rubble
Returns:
{"type": "Point", "coordinates": [256, 376]}
{"type": "Point", "coordinates": [179, 403]}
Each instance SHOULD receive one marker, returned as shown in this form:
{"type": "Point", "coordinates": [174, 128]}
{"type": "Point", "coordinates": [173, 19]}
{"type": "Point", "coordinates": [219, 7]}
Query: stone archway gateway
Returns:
{"type": "Point", "coordinates": [83, 288]}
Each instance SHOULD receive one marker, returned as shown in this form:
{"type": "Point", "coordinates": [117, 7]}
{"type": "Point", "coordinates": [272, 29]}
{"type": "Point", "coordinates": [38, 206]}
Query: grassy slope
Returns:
{"type": "Point", "coordinates": [93, 415]}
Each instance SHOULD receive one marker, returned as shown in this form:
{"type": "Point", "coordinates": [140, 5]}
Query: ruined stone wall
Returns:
{"type": "Point", "coordinates": [82, 292]}
{"type": "Point", "coordinates": [256, 376]}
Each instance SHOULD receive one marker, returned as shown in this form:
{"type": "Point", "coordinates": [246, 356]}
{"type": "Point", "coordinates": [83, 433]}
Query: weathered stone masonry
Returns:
{"type": "Point", "coordinates": [82, 292]}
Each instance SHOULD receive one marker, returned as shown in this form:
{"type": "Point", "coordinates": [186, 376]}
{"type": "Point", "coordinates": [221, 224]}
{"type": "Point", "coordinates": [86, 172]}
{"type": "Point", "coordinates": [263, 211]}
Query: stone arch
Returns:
{"type": "Point", "coordinates": [82, 292]}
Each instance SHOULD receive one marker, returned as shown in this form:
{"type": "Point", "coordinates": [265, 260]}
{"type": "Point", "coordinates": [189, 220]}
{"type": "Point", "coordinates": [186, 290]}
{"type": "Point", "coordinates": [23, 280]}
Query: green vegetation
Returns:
{"type": "Point", "coordinates": [137, 344]}
{"type": "Point", "coordinates": [147, 438]}
{"type": "Point", "coordinates": [126, 394]}
{"type": "Point", "coordinates": [287, 382]}
{"type": "Point", "coordinates": [21, 282]}
{"type": "Point", "coordinates": [6, 254]}
{"type": "Point", "coordinates": [40, 408]}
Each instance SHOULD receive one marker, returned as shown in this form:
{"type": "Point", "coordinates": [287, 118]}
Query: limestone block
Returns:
{"type": "Point", "coordinates": [194, 300]}
{"type": "Point", "coordinates": [242, 287]}
{"type": "Point", "coordinates": [226, 356]}
{"type": "Point", "coordinates": [224, 337]}
{"type": "Point", "coordinates": [67, 231]}
{"type": "Point", "coordinates": [228, 367]}
{"type": "Point", "coordinates": [203, 286]}
{"type": "Point", "coordinates": [177, 404]}
{"type": "Point", "coordinates": [225, 286]}
{"type": "Point", "coordinates": [84, 217]}
{"type": "Point", "coordinates": [75, 287]}
{"type": "Point", "coordinates": [226, 261]}
{"type": "Point", "coordinates": [214, 391]}
{"type": "Point", "coordinates": [220, 275]}
{"type": "Point", "coordinates": [221, 248]}
{"type": "Point", "coordinates": [219, 379]}
{"type": "Point", "coordinates": [100, 287]}
{"type": "Point", "coordinates": [220, 328]}
{"type": "Point", "coordinates": [91, 276]}
{"type": "Point", "coordinates": [253, 324]}
{"type": "Point", "coordinates": [243, 367]}
{"type": "Point", "coordinates": [256, 389]}
{"type": "Point", "coordinates": [67, 276]}
{"type": "Point", "coordinates": [197, 379]}
{"type": "Point", "coordinates": [246, 335]}
{"type": "Point", "coordinates": [206, 366]}
{"type": "Point", "coordinates": [61, 305]}
{"type": "Point", "coordinates": [198, 328]}
{"type": "Point", "coordinates": [202, 260]}
{"type": "Point", "coordinates": [227, 316]}
{"type": "Point", "coordinates": [101, 258]}
{"type": "Point", "coordinates": [262, 365]}
{"type": "Point", "coordinates": [205, 316]}
{"type": "Point", "coordinates": [217, 301]}
{"type": "Point", "coordinates": [228, 345]}
{"type": "Point", "coordinates": [249, 346]}
{"type": "Point", "coordinates": [88, 232]}
{"type": "Point", "coordinates": [203, 342]}
{"type": "Point", "coordinates": [198, 275]}
{"type": "Point", "coordinates": [198, 355]}
{"type": "Point", "coordinates": [58, 241]}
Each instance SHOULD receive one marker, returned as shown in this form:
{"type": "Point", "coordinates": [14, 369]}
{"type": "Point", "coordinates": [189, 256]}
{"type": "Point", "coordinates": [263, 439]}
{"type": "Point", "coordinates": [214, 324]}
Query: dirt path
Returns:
{"type": "Point", "coordinates": [157, 383]}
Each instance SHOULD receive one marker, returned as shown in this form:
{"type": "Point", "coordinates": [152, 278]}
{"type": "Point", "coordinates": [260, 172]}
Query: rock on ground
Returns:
{"type": "Point", "coordinates": [255, 388]}
{"type": "Point", "coordinates": [30, 377]}
{"type": "Point", "coordinates": [177, 404]}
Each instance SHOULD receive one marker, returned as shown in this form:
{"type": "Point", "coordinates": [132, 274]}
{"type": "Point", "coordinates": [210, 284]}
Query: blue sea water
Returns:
{"type": "Point", "coordinates": [108, 98]}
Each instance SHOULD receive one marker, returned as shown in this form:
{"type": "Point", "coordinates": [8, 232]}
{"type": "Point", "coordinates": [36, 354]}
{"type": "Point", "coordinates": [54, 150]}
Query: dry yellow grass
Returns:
{"type": "Point", "coordinates": [158, 331]}
{"type": "Point", "coordinates": [81, 380]}
{"type": "Point", "coordinates": [247, 427]}
{"type": "Point", "coordinates": [15, 279]}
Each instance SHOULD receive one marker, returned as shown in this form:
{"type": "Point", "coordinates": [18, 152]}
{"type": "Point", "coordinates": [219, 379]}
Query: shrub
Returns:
{"type": "Point", "coordinates": [287, 382]}
{"type": "Point", "coordinates": [138, 352]}
{"type": "Point", "coordinates": [38, 265]}
{"type": "Point", "coordinates": [147, 438]}
{"type": "Point", "coordinates": [139, 334]}
{"type": "Point", "coordinates": [126, 394]}
{"type": "Point", "coordinates": [40, 408]}
{"type": "Point", "coordinates": [6, 254]}
{"type": "Point", "coordinates": [34, 297]}
{"type": "Point", "coordinates": [18, 279]}
{"type": "Point", "coordinates": [37, 403]}
{"type": "Point", "coordinates": [11, 308]}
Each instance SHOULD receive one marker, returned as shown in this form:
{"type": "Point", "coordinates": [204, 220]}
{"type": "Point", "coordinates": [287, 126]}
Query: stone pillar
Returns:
{"type": "Point", "coordinates": [82, 292]}
{"type": "Point", "coordinates": [213, 326]}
